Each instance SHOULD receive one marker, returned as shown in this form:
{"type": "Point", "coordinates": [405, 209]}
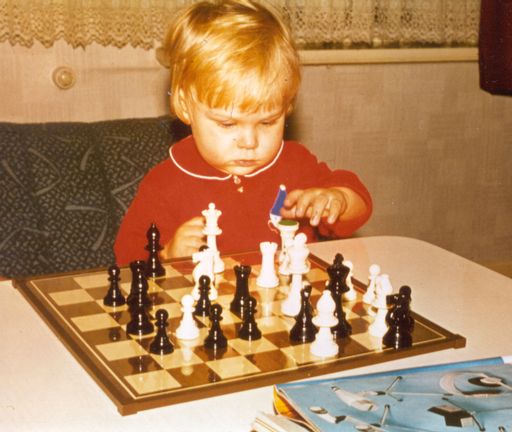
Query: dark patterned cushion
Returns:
{"type": "Point", "coordinates": [70, 190]}
{"type": "Point", "coordinates": [74, 182]}
{"type": "Point", "coordinates": [128, 150]}
{"type": "Point", "coordinates": [21, 237]}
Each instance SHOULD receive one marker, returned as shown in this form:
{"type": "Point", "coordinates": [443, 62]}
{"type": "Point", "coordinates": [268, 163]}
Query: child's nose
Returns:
{"type": "Point", "coordinates": [248, 139]}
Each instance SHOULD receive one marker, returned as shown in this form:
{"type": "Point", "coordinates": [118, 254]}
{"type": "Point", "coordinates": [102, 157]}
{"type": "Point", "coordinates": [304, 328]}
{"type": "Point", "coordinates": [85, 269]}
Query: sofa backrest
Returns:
{"type": "Point", "coordinates": [66, 186]}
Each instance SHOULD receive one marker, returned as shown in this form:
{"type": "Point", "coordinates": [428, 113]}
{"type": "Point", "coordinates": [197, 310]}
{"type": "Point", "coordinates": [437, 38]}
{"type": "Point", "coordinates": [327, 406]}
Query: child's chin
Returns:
{"type": "Point", "coordinates": [242, 171]}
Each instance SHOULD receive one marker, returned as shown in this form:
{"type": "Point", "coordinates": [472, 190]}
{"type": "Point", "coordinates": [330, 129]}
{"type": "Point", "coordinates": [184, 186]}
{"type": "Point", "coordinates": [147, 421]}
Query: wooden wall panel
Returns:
{"type": "Point", "coordinates": [433, 148]}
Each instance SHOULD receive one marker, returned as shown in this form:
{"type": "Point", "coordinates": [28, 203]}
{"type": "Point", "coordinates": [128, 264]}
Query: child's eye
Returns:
{"type": "Point", "coordinates": [226, 125]}
{"type": "Point", "coordinates": [268, 122]}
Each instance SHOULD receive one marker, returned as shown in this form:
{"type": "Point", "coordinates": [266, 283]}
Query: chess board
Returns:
{"type": "Point", "coordinates": [135, 379]}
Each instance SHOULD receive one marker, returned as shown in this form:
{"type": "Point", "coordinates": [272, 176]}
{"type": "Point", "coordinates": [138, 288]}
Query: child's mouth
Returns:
{"type": "Point", "coordinates": [245, 163]}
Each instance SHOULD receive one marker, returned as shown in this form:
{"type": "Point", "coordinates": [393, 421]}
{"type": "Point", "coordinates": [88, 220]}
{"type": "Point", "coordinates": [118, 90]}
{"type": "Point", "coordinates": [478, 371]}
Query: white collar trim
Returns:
{"type": "Point", "coordinates": [204, 177]}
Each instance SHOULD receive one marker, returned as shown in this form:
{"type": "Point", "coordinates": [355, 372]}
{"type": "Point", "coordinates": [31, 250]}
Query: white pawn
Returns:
{"type": "Point", "coordinates": [188, 327]}
{"type": "Point", "coordinates": [267, 277]}
{"type": "Point", "coordinates": [351, 294]}
{"type": "Point", "coordinates": [211, 231]}
{"type": "Point", "coordinates": [204, 260]}
{"type": "Point", "coordinates": [324, 344]}
{"type": "Point", "coordinates": [379, 326]}
{"type": "Point", "coordinates": [298, 253]}
{"type": "Point", "coordinates": [290, 306]}
{"type": "Point", "coordinates": [369, 295]}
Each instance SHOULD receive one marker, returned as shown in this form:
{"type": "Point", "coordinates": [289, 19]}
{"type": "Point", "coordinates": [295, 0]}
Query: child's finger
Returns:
{"type": "Point", "coordinates": [194, 242]}
{"type": "Point", "coordinates": [318, 207]}
{"type": "Point", "coordinates": [333, 211]}
{"type": "Point", "coordinates": [304, 203]}
{"type": "Point", "coordinates": [291, 198]}
{"type": "Point", "coordinates": [197, 221]}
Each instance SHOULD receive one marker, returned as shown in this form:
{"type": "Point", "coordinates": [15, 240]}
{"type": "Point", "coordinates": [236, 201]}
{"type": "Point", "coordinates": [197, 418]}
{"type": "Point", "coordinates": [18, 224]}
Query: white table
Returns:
{"type": "Point", "coordinates": [43, 388]}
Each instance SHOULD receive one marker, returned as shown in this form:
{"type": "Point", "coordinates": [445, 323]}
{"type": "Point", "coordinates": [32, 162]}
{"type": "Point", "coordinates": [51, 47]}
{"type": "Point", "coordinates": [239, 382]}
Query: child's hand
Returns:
{"type": "Point", "coordinates": [314, 204]}
{"type": "Point", "coordinates": [187, 240]}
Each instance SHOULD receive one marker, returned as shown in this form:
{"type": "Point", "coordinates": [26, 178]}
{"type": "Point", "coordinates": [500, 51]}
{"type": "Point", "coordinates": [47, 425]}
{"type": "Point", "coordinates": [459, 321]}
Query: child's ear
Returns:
{"type": "Point", "coordinates": [183, 107]}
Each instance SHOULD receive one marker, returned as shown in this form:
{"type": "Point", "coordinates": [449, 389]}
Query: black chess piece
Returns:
{"type": "Point", "coordinates": [139, 323]}
{"type": "Point", "coordinates": [215, 339]}
{"type": "Point", "coordinates": [338, 273]}
{"type": "Point", "coordinates": [237, 305]}
{"type": "Point", "coordinates": [114, 296]}
{"type": "Point", "coordinates": [139, 285]}
{"type": "Point", "coordinates": [399, 320]}
{"type": "Point", "coordinates": [154, 266]}
{"type": "Point", "coordinates": [337, 285]}
{"type": "Point", "coordinates": [405, 294]}
{"type": "Point", "coordinates": [203, 304]}
{"type": "Point", "coordinates": [161, 343]}
{"type": "Point", "coordinates": [304, 330]}
{"type": "Point", "coordinates": [249, 329]}
{"type": "Point", "coordinates": [138, 302]}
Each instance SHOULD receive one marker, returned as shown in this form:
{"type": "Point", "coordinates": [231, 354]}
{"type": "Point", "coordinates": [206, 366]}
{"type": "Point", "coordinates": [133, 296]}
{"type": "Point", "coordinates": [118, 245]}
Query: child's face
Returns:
{"type": "Point", "coordinates": [235, 142]}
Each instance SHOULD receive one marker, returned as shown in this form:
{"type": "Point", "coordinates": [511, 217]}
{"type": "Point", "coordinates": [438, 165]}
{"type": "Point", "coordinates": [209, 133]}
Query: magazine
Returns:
{"type": "Point", "coordinates": [465, 396]}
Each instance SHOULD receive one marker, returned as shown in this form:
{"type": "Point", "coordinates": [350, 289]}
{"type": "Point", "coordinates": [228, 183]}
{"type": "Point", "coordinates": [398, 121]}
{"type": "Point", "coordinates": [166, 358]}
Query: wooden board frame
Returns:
{"type": "Point", "coordinates": [127, 404]}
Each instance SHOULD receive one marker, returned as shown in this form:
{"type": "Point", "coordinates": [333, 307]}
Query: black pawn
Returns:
{"type": "Point", "coordinates": [237, 305]}
{"type": "Point", "coordinates": [161, 344]}
{"type": "Point", "coordinates": [399, 320]}
{"type": "Point", "coordinates": [139, 286]}
{"type": "Point", "coordinates": [304, 330]}
{"type": "Point", "coordinates": [249, 329]}
{"type": "Point", "coordinates": [337, 286]}
{"type": "Point", "coordinates": [114, 297]}
{"type": "Point", "coordinates": [215, 339]}
{"type": "Point", "coordinates": [154, 267]}
{"type": "Point", "coordinates": [203, 304]}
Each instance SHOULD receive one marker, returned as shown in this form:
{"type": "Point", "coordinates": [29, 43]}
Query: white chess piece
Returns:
{"type": "Point", "coordinates": [267, 277]}
{"type": "Point", "coordinates": [290, 306]}
{"type": "Point", "coordinates": [383, 288]}
{"type": "Point", "coordinates": [324, 344]}
{"type": "Point", "coordinates": [298, 265]}
{"type": "Point", "coordinates": [204, 261]}
{"type": "Point", "coordinates": [298, 253]}
{"type": "Point", "coordinates": [369, 295]}
{"type": "Point", "coordinates": [351, 294]}
{"type": "Point", "coordinates": [188, 327]}
{"type": "Point", "coordinates": [211, 231]}
{"type": "Point", "coordinates": [287, 229]}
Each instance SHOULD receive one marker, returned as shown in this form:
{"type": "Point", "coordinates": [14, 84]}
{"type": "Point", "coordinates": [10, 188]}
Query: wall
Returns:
{"type": "Point", "coordinates": [434, 149]}
{"type": "Point", "coordinates": [431, 146]}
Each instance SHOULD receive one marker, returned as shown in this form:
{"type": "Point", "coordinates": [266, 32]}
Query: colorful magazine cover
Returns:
{"type": "Point", "coordinates": [465, 397]}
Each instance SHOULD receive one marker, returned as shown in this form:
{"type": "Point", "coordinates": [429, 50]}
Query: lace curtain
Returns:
{"type": "Point", "coordinates": [316, 23]}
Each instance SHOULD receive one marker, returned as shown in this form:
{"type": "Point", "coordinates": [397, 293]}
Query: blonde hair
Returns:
{"type": "Point", "coordinates": [228, 54]}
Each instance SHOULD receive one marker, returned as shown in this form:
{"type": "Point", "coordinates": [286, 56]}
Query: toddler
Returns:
{"type": "Point", "coordinates": [234, 76]}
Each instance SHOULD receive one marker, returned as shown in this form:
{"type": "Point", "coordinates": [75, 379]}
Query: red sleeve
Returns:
{"type": "Point", "coordinates": [150, 205]}
{"type": "Point", "coordinates": [318, 174]}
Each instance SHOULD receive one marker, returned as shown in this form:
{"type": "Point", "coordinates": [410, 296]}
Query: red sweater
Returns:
{"type": "Point", "coordinates": [182, 186]}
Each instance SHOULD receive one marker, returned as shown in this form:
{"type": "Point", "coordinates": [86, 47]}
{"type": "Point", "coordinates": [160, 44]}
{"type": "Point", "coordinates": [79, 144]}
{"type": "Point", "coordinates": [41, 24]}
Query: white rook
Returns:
{"type": "Point", "coordinates": [267, 277]}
